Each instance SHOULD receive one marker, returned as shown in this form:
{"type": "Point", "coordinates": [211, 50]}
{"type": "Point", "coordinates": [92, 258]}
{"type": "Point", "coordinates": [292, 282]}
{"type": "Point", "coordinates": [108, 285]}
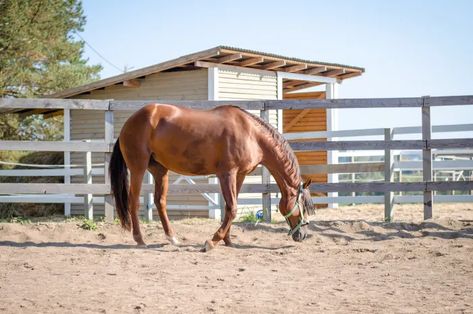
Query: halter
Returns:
{"type": "Point", "coordinates": [302, 221]}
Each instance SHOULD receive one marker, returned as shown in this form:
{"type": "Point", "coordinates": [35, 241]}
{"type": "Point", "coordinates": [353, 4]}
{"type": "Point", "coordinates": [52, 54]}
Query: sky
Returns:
{"type": "Point", "coordinates": [408, 48]}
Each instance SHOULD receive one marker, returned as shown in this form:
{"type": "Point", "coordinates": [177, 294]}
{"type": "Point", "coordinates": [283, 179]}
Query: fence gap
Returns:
{"type": "Point", "coordinates": [388, 176]}
{"type": "Point", "coordinates": [427, 156]}
{"type": "Point", "coordinates": [88, 201]}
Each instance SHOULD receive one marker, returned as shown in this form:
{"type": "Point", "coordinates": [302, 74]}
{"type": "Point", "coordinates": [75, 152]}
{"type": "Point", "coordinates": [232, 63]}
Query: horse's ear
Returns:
{"type": "Point", "coordinates": [307, 183]}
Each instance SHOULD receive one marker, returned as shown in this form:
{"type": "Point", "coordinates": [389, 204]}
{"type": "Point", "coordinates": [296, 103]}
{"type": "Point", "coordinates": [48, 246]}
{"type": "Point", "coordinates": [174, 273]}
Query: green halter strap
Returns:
{"type": "Point", "coordinates": [297, 205]}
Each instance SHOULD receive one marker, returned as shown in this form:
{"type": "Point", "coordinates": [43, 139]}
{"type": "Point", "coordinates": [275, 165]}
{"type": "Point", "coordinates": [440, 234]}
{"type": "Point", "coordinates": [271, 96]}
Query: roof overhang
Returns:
{"type": "Point", "coordinates": [288, 67]}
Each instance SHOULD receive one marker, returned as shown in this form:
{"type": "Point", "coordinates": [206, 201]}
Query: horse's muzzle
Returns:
{"type": "Point", "coordinates": [300, 234]}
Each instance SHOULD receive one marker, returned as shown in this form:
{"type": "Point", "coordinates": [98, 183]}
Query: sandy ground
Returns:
{"type": "Point", "coordinates": [351, 263]}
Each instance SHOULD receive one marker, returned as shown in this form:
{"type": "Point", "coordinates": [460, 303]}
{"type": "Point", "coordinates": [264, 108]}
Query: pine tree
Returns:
{"type": "Point", "coordinates": [38, 50]}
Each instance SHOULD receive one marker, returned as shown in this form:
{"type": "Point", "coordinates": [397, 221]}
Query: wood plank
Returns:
{"type": "Point", "coordinates": [427, 159]}
{"type": "Point", "coordinates": [333, 73]}
{"type": "Point", "coordinates": [109, 208]}
{"type": "Point", "coordinates": [315, 70]}
{"type": "Point", "coordinates": [251, 61]}
{"type": "Point", "coordinates": [133, 83]}
{"type": "Point", "coordinates": [288, 126]}
{"type": "Point", "coordinates": [274, 65]}
{"type": "Point", "coordinates": [345, 103]}
{"type": "Point", "coordinates": [48, 103]}
{"type": "Point", "coordinates": [269, 104]}
{"type": "Point", "coordinates": [450, 143]}
{"type": "Point", "coordinates": [394, 186]}
{"type": "Point", "coordinates": [388, 176]}
{"type": "Point", "coordinates": [449, 186]}
{"type": "Point", "coordinates": [291, 83]}
{"type": "Point", "coordinates": [349, 75]}
{"type": "Point", "coordinates": [342, 168]}
{"type": "Point", "coordinates": [55, 146]}
{"type": "Point", "coordinates": [357, 145]}
{"type": "Point", "coordinates": [127, 105]}
{"type": "Point", "coordinates": [295, 68]}
{"type": "Point", "coordinates": [308, 95]}
{"type": "Point", "coordinates": [302, 86]}
{"type": "Point", "coordinates": [101, 189]}
{"type": "Point", "coordinates": [450, 100]}
{"type": "Point", "coordinates": [266, 180]}
{"type": "Point", "coordinates": [229, 58]}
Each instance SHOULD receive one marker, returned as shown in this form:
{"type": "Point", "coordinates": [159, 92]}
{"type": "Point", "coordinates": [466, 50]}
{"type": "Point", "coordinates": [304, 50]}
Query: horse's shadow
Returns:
{"type": "Point", "coordinates": [161, 247]}
{"type": "Point", "coordinates": [155, 246]}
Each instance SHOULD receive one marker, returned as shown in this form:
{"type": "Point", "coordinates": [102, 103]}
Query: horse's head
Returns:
{"type": "Point", "coordinates": [297, 216]}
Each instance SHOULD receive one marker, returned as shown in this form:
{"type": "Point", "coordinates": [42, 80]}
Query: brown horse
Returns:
{"type": "Point", "coordinates": [226, 141]}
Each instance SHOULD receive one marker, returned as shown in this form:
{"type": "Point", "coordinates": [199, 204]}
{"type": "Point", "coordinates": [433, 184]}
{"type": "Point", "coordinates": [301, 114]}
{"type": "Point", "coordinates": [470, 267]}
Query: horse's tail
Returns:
{"type": "Point", "coordinates": [119, 182]}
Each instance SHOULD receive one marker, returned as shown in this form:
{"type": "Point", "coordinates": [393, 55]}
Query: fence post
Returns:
{"type": "Point", "coordinates": [266, 180]}
{"type": "Point", "coordinates": [388, 176]}
{"type": "Point", "coordinates": [109, 134]}
{"type": "Point", "coordinates": [427, 156]}
{"type": "Point", "coordinates": [88, 202]}
{"type": "Point", "coordinates": [67, 157]}
{"type": "Point", "coordinates": [148, 199]}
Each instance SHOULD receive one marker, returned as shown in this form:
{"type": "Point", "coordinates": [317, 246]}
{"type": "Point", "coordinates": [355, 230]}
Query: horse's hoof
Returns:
{"type": "Point", "coordinates": [208, 245]}
{"type": "Point", "coordinates": [229, 244]}
{"type": "Point", "coordinates": [173, 240]}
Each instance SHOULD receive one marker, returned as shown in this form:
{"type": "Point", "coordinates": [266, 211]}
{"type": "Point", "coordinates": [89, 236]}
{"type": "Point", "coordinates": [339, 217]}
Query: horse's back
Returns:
{"type": "Point", "coordinates": [193, 141]}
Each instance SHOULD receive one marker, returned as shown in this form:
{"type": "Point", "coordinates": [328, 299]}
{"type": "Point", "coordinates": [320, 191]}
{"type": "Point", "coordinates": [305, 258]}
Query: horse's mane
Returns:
{"type": "Point", "coordinates": [289, 158]}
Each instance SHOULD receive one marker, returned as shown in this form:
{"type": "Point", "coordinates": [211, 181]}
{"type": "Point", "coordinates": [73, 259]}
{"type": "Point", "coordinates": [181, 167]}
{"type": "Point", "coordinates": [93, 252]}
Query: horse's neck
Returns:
{"type": "Point", "coordinates": [286, 179]}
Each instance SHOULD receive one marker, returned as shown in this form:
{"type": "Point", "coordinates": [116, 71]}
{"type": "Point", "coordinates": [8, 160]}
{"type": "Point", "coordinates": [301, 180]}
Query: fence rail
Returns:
{"type": "Point", "coordinates": [299, 142]}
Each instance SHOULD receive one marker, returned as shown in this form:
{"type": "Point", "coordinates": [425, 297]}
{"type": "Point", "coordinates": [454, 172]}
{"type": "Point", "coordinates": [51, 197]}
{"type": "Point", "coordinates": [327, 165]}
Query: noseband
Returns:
{"type": "Point", "coordinates": [297, 205]}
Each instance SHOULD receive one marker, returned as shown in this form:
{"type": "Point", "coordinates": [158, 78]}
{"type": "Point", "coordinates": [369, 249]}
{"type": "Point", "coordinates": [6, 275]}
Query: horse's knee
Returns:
{"type": "Point", "coordinates": [232, 212]}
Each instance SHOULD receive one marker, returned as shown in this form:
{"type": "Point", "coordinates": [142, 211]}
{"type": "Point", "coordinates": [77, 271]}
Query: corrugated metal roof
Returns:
{"type": "Point", "coordinates": [273, 55]}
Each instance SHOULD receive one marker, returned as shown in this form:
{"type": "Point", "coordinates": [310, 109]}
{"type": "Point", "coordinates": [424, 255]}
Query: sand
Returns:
{"type": "Point", "coordinates": [352, 262]}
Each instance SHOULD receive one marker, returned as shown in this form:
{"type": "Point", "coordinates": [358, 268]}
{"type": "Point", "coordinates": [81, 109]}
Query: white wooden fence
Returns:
{"type": "Point", "coordinates": [66, 192]}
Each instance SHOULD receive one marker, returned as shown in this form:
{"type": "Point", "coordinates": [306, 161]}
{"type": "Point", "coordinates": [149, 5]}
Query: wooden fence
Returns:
{"type": "Point", "coordinates": [426, 144]}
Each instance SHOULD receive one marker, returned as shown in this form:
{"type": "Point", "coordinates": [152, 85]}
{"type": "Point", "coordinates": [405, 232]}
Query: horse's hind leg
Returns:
{"type": "Point", "coordinates": [136, 179]}
{"type": "Point", "coordinates": [161, 178]}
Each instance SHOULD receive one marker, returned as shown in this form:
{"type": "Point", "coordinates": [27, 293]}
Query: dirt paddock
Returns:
{"type": "Point", "coordinates": [351, 263]}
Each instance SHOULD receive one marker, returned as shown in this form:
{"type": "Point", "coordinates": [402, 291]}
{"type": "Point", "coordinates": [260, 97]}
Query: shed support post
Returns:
{"type": "Point", "coordinates": [331, 92]}
{"type": "Point", "coordinates": [88, 201]}
{"type": "Point", "coordinates": [427, 156]}
{"type": "Point", "coordinates": [266, 180]}
{"type": "Point", "coordinates": [388, 176]}
{"type": "Point", "coordinates": [212, 82]}
{"type": "Point", "coordinates": [109, 135]}
{"type": "Point", "coordinates": [67, 157]}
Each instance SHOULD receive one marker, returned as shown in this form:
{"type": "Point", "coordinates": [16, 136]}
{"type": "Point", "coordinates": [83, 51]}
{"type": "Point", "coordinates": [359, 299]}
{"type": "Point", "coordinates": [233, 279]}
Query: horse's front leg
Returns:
{"type": "Point", "coordinates": [228, 184]}
{"type": "Point", "coordinates": [239, 182]}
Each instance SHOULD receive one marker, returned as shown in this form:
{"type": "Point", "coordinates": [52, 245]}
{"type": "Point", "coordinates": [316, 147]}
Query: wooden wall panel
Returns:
{"type": "Point", "coordinates": [305, 121]}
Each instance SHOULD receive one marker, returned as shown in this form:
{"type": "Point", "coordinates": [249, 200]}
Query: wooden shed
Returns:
{"type": "Point", "coordinates": [220, 73]}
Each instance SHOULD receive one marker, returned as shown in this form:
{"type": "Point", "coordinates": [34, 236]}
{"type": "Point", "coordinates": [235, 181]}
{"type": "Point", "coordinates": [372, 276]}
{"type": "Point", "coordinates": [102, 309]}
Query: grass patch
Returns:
{"type": "Point", "coordinates": [88, 224]}
{"type": "Point", "coordinates": [17, 220]}
{"type": "Point", "coordinates": [251, 217]}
